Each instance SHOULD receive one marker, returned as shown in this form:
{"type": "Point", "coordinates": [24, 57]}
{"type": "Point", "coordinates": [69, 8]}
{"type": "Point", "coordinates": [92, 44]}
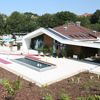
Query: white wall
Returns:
{"type": "Point", "coordinates": [26, 44]}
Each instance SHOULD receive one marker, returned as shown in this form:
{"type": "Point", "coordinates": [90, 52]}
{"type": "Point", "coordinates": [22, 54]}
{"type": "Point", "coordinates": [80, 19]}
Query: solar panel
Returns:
{"type": "Point", "coordinates": [57, 34]}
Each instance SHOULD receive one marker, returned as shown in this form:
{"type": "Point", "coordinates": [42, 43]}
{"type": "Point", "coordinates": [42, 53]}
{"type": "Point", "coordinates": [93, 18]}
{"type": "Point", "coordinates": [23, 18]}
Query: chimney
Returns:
{"type": "Point", "coordinates": [78, 23]}
{"type": "Point", "coordinates": [94, 32]}
{"type": "Point", "coordinates": [65, 28]}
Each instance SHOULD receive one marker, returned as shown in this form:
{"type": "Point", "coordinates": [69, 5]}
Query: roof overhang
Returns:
{"type": "Point", "coordinates": [64, 40]}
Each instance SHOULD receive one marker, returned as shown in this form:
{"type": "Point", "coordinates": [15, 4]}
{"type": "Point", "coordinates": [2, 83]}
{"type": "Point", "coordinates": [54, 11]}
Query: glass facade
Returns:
{"type": "Point", "coordinates": [58, 46]}
{"type": "Point", "coordinates": [37, 42]}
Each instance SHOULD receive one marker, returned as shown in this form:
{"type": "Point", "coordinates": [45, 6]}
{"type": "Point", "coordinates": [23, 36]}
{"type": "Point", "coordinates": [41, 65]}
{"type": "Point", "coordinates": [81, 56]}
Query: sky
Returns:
{"type": "Point", "coordinates": [49, 6]}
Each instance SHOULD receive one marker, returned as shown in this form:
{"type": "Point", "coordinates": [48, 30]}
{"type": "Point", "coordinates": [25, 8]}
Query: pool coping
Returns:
{"type": "Point", "coordinates": [33, 67]}
{"type": "Point", "coordinates": [38, 83]}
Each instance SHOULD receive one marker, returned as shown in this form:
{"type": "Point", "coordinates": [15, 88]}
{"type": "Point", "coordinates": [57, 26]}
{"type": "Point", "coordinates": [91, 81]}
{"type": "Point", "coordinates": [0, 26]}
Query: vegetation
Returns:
{"type": "Point", "coordinates": [2, 43]}
{"type": "Point", "coordinates": [64, 97]}
{"type": "Point", "coordinates": [45, 51]}
{"type": "Point", "coordinates": [51, 51]}
{"type": "Point", "coordinates": [57, 53]}
{"type": "Point", "coordinates": [48, 97]}
{"type": "Point", "coordinates": [11, 87]}
{"type": "Point", "coordinates": [18, 46]}
{"type": "Point", "coordinates": [39, 51]}
{"type": "Point", "coordinates": [63, 53]}
{"type": "Point", "coordinates": [27, 22]}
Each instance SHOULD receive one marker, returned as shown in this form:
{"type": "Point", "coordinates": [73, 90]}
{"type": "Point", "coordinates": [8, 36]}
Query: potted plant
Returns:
{"type": "Point", "coordinates": [57, 53]}
{"type": "Point", "coordinates": [39, 51]}
{"type": "Point", "coordinates": [51, 52]}
{"type": "Point", "coordinates": [2, 43]}
{"type": "Point", "coordinates": [18, 46]}
{"type": "Point", "coordinates": [45, 50]}
{"type": "Point", "coordinates": [63, 53]}
{"type": "Point", "coordinates": [11, 45]}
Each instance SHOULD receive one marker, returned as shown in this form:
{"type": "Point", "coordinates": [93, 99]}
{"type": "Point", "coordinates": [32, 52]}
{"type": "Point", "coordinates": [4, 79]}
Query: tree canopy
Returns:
{"type": "Point", "coordinates": [28, 22]}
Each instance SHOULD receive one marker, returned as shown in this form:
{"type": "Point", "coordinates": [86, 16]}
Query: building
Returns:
{"type": "Point", "coordinates": [85, 15]}
{"type": "Point", "coordinates": [70, 37]}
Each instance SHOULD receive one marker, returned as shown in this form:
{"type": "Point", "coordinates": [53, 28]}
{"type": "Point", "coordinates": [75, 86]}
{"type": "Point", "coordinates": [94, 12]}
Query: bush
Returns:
{"type": "Point", "coordinates": [48, 97]}
{"type": "Point", "coordinates": [97, 97]}
{"type": "Point", "coordinates": [11, 43]}
{"type": "Point", "coordinates": [64, 97]}
{"type": "Point", "coordinates": [18, 46]}
{"type": "Point", "coordinates": [51, 51]}
{"type": "Point", "coordinates": [80, 98]}
{"type": "Point", "coordinates": [45, 51]}
{"type": "Point", "coordinates": [2, 43]}
{"type": "Point", "coordinates": [11, 88]}
{"type": "Point", "coordinates": [39, 50]}
{"type": "Point", "coordinates": [63, 53]}
{"type": "Point", "coordinates": [57, 52]}
{"type": "Point", "coordinates": [91, 98]}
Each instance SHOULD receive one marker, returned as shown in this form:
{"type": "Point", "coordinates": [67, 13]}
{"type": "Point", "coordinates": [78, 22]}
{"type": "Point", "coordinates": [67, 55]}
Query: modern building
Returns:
{"type": "Point", "coordinates": [70, 37]}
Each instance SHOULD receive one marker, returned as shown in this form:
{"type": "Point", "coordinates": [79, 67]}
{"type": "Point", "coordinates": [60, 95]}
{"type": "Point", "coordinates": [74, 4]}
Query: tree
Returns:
{"type": "Point", "coordinates": [18, 22]}
{"type": "Point", "coordinates": [94, 27]}
{"type": "Point", "coordinates": [15, 21]}
{"type": "Point", "coordinates": [47, 20]}
{"type": "Point", "coordinates": [95, 17]}
{"type": "Point", "coordinates": [84, 21]}
{"type": "Point", "coordinates": [64, 16]}
{"type": "Point", "coordinates": [2, 23]}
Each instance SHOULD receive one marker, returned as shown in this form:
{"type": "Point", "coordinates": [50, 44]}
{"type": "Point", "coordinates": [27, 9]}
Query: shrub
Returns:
{"type": "Point", "coordinates": [91, 98]}
{"type": "Point", "coordinates": [11, 43]}
{"type": "Point", "coordinates": [2, 43]}
{"type": "Point", "coordinates": [48, 97]}
{"type": "Point", "coordinates": [64, 97]}
{"type": "Point", "coordinates": [97, 97]}
{"type": "Point", "coordinates": [39, 50]}
{"type": "Point", "coordinates": [45, 51]}
{"type": "Point", "coordinates": [80, 98]}
{"type": "Point", "coordinates": [57, 52]}
{"type": "Point", "coordinates": [18, 46]}
{"type": "Point", "coordinates": [11, 88]}
{"type": "Point", "coordinates": [51, 51]}
{"type": "Point", "coordinates": [63, 53]}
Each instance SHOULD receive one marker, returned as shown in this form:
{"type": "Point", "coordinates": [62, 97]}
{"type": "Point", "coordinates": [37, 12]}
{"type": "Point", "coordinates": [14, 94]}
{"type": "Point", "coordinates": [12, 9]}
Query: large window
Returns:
{"type": "Point", "coordinates": [37, 42]}
{"type": "Point", "coordinates": [58, 46]}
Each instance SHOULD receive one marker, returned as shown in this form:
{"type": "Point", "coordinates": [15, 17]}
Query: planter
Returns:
{"type": "Point", "coordinates": [56, 56]}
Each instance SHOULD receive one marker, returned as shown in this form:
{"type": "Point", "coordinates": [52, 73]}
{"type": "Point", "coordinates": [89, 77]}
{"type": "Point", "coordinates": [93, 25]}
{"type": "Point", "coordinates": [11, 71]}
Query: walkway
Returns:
{"type": "Point", "coordinates": [64, 68]}
{"type": "Point", "coordinates": [4, 61]}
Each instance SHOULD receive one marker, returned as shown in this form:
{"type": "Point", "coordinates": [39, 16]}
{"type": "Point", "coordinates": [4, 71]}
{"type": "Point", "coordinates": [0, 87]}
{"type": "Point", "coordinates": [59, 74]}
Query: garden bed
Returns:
{"type": "Point", "coordinates": [80, 85]}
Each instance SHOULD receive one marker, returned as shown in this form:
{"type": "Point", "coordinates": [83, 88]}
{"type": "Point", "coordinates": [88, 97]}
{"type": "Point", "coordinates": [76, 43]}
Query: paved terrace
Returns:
{"type": "Point", "coordinates": [64, 67]}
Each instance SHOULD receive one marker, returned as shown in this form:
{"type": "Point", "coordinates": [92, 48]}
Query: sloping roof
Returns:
{"type": "Point", "coordinates": [77, 32]}
{"type": "Point", "coordinates": [59, 37]}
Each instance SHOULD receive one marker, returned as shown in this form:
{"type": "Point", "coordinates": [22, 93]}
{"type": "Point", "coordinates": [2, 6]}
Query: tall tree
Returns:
{"type": "Point", "coordinates": [2, 23]}
{"type": "Point", "coordinates": [64, 16]}
{"type": "Point", "coordinates": [84, 21]}
{"type": "Point", "coordinates": [95, 17]}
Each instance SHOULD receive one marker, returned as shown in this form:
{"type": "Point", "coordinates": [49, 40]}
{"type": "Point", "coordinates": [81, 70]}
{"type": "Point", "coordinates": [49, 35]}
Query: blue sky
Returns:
{"type": "Point", "coordinates": [49, 6]}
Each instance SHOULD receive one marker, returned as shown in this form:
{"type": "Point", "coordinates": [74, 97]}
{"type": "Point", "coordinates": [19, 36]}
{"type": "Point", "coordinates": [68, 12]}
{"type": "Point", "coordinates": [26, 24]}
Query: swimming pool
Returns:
{"type": "Point", "coordinates": [34, 64]}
